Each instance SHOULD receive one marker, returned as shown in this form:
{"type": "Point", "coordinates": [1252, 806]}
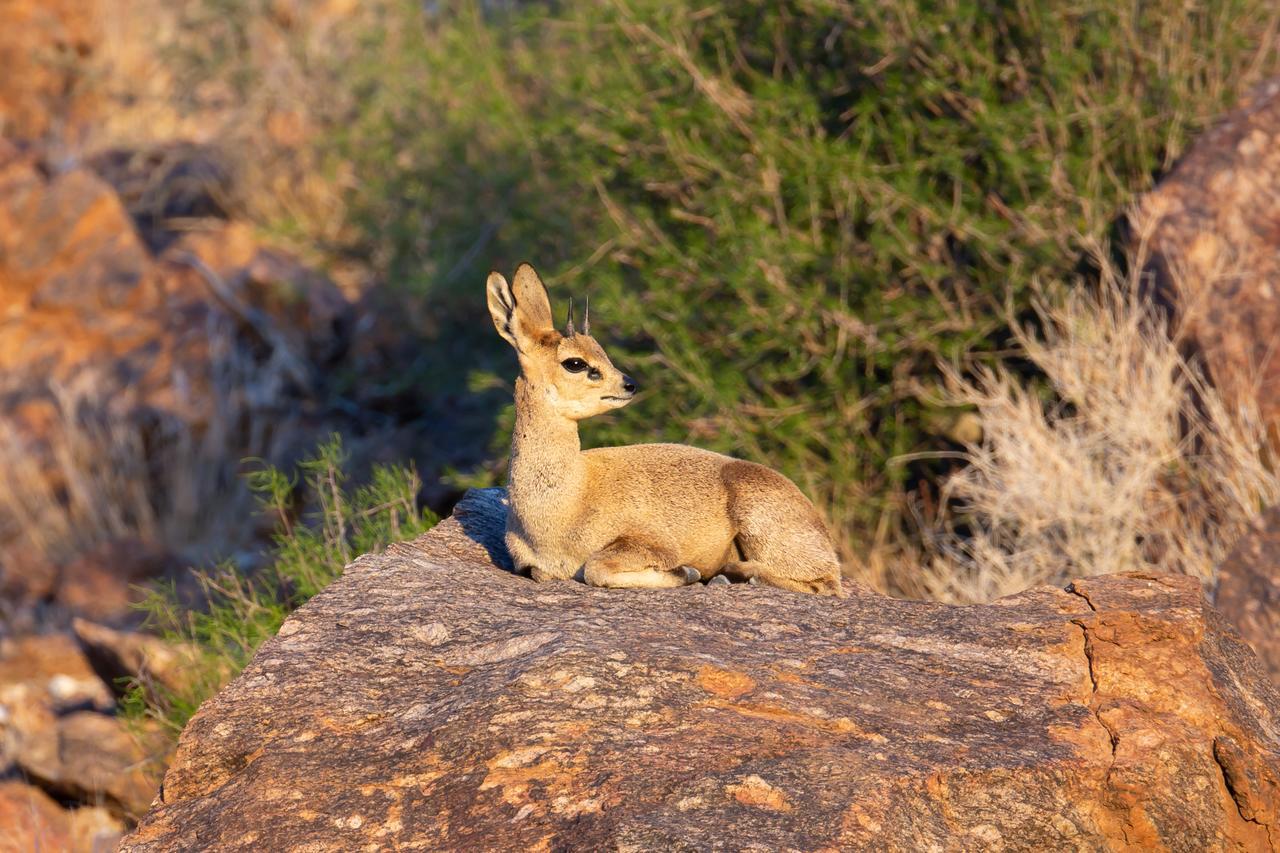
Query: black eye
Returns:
{"type": "Point", "coordinates": [574, 365]}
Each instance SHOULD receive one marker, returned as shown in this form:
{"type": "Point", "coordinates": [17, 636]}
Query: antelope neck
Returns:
{"type": "Point", "coordinates": [546, 457]}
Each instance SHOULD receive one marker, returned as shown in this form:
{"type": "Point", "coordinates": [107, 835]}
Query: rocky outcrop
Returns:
{"type": "Point", "coordinates": [44, 86]}
{"type": "Point", "coordinates": [1248, 589]}
{"type": "Point", "coordinates": [132, 657]}
{"type": "Point", "coordinates": [431, 699]}
{"type": "Point", "coordinates": [1214, 234]}
{"type": "Point", "coordinates": [133, 381]}
{"type": "Point", "coordinates": [57, 732]}
{"type": "Point", "coordinates": [30, 820]}
{"type": "Point", "coordinates": [79, 286]}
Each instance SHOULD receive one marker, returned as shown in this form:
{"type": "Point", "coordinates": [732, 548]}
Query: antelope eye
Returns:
{"type": "Point", "coordinates": [574, 365]}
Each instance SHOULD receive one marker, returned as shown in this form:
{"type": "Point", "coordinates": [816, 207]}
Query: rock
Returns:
{"type": "Point", "coordinates": [93, 829]}
{"type": "Point", "coordinates": [31, 820]}
{"type": "Point", "coordinates": [140, 658]}
{"type": "Point", "coordinates": [96, 760]}
{"type": "Point", "coordinates": [56, 670]}
{"type": "Point", "coordinates": [1248, 589]}
{"type": "Point", "coordinates": [1214, 236]}
{"type": "Point", "coordinates": [67, 243]}
{"type": "Point", "coordinates": [54, 730]}
{"type": "Point", "coordinates": [44, 89]}
{"type": "Point", "coordinates": [40, 678]}
{"type": "Point", "coordinates": [103, 583]}
{"type": "Point", "coordinates": [133, 384]}
{"type": "Point", "coordinates": [430, 699]}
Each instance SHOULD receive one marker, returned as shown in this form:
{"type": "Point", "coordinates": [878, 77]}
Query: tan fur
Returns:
{"type": "Point", "coordinates": [634, 516]}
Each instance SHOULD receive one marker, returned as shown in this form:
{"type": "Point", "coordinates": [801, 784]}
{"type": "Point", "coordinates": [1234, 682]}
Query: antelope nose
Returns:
{"type": "Point", "coordinates": [628, 385]}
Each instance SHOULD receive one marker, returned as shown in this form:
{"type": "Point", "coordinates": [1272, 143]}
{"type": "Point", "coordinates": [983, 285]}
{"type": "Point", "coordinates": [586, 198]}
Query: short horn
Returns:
{"type": "Point", "coordinates": [568, 326]}
{"type": "Point", "coordinates": [586, 317]}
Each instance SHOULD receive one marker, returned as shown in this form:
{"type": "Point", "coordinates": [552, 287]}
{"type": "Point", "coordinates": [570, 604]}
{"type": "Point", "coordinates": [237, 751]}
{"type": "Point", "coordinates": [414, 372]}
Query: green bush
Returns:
{"type": "Point", "coordinates": [239, 612]}
{"type": "Point", "coordinates": [786, 214]}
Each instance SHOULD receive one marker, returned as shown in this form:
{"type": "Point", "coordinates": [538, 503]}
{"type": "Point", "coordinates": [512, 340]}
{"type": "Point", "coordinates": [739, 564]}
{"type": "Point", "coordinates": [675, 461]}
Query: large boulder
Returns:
{"type": "Point", "coordinates": [1248, 589]}
{"type": "Point", "coordinates": [431, 699]}
{"type": "Point", "coordinates": [1213, 229]}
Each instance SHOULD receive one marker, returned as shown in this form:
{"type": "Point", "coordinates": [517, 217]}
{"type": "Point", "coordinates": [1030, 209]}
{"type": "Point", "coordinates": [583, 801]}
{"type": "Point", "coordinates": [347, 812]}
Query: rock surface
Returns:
{"type": "Point", "coordinates": [130, 374]}
{"type": "Point", "coordinates": [133, 656]}
{"type": "Point", "coordinates": [430, 700]}
{"type": "Point", "coordinates": [43, 88]}
{"type": "Point", "coordinates": [1248, 590]}
{"type": "Point", "coordinates": [92, 758]}
{"type": "Point", "coordinates": [57, 732]}
{"type": "Point", "coordinates": [1215, 243]}
{"type": "Point", "coordinates": [30, 820]}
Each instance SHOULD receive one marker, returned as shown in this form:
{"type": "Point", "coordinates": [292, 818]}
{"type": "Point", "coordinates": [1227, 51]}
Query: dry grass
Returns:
{"type": "Point", "coordinates": [1135, 464]}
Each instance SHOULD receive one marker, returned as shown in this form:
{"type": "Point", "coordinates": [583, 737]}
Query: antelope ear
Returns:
{"type": "Point", "coordinates": [502, 307]}
{"type": "Point", "coordinates": [533, 307]}
{"type": "Point", "coordinates": [521, 311]}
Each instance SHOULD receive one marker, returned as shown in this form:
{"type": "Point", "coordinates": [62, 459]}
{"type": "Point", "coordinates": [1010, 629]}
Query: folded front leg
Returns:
{"type": "Point", "coordinates": [629, 563]}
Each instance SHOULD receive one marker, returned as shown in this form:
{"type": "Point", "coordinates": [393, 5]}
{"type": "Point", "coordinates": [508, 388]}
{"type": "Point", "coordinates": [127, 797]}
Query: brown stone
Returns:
{"type": "Point", "coordinates": [57, 671]}
{"type": "Point", "coordinates": [140, 658]}
{"type": "Point", "coordinates": [41, 677]}
{"type": "Point", "coordinates": [46, 735]}
{"type": "Point", "coordinates": [1214, 235]}
{"type": "Point", "coordinates": [107, 350]}
{"type": "Point", "coordinates": [93, 829]}
{"type": "Point", "coordinates": [31, 820]}
{"type": "Point", "coordinates": [430, 699]}
{"type": "Point", "coordinates": [66, 243]}
{"type": "Point", "coordinates": [96, 760]}
{"type": "Point", "coordinates": [44, 87]}
{"type": "Point", "coordinates": [103, 583]}
{"type": "Point", "coordinates": [1248, 590]}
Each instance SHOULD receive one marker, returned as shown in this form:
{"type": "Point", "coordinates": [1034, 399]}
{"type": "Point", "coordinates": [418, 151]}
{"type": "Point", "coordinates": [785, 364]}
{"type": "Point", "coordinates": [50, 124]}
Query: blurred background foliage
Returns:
{"type": "Point", "coordinates": [787, 215]}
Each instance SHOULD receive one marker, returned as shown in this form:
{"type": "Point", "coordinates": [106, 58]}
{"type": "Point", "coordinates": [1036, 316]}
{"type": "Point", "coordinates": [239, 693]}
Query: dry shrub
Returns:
{"type": "Point", "coordinates": [1131, 463]}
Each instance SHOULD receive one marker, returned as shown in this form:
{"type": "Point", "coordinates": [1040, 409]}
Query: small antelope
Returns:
{"type": "Point", "coordinates": [644, 515]}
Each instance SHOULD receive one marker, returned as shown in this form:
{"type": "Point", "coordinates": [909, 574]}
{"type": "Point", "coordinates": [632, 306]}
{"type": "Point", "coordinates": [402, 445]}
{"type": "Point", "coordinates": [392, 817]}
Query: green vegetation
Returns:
{"type": "Point", "coordinates": [787, 215]}
{"type": "Point", "coordinates": [239, 612]}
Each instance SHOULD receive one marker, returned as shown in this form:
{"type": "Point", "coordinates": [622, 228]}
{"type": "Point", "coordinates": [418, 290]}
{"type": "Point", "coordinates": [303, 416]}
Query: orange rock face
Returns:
{"type": "Point", "coordinates": [31, 820]}
{"type": "Point", "coordinates": [429, 698]}
{"type": "Point", "coordinates": [81, 290]}
{"type": "Point", "coordinates": [1215, 240]}
{"type": "Point", "coordinates": [43, 87]}
{"type": "Point", "coordinates": [1248, 591]}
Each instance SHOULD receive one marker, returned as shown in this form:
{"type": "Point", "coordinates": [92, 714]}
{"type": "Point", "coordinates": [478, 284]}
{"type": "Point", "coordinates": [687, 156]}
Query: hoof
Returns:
{"type": "Point", "coordinates": [691, 575]}
{"type": "Point", "coordinates": [718, 580]}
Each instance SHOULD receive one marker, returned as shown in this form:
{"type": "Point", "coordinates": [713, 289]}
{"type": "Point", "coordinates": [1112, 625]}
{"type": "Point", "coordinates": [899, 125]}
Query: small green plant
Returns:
{"type": "Point", "coordinates": [239, 612]}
